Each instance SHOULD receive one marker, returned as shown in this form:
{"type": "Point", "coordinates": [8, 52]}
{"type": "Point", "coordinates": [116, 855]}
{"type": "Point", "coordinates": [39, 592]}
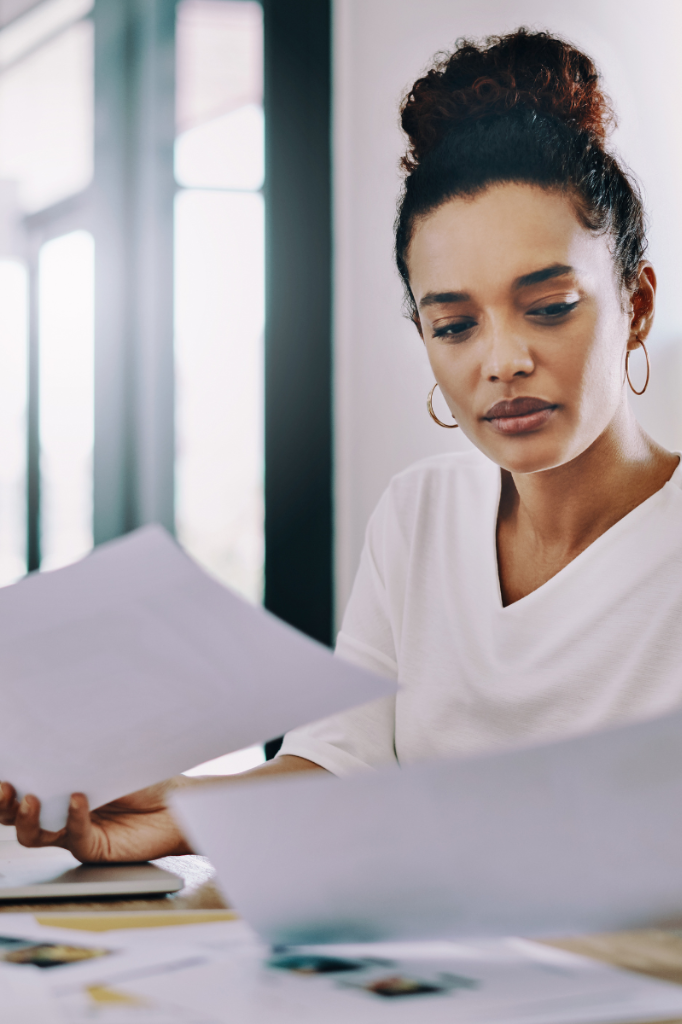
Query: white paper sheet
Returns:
{"type": "Point", "coordinates": [119, 957]}
{"type": "Point", "coordinates": [221, 973]}
{"type": "Point", "coordinates": [79, 992]}
{"type": "Point", "coordinates": [582, 835]}
{"type": "Point", "coordinates": [134, 665]}
{"type": "Point", "coordinates": [475, 983]}
{"type": "Point", "coordinates": [26, 999]}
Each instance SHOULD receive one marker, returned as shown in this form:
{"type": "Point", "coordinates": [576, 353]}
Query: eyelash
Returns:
{"type": "Point", "coordinates": [452, 330]}
{"type": "Point", "coordinates": [554, 311]}
{"type": "Point", "coordinates": [560, 309]}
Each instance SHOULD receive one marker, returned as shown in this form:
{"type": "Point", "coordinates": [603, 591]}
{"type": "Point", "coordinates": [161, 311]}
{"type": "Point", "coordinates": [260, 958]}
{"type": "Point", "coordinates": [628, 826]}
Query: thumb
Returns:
{"type": "Point", "coordinates": [80, 834]}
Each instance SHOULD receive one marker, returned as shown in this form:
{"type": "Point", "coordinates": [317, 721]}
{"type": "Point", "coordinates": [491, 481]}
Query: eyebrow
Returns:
{"type": "Point", "coordinates": [535, 277]}
{"type": "Point", "coordinates": [538, 276]}
{"type": "Point", "coordinates": [441, 298]}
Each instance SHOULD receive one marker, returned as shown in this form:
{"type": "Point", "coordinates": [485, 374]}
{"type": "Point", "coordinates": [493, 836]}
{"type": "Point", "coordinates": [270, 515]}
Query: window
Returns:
{"type": "Point", "coordinates": [89, 223]}
{"type": "Point", "coordinates": [66, 272]}
{"type": "Point", "coordinates": [46, 287]}
{"type": "Point", "coordinates": [219, 289]}
{"type": "Point", "coordinates": [13, 407]}
{"type": "Point", "coordinates": [219, 299]}
{"type": "Point", "coordinates": [46, 113]}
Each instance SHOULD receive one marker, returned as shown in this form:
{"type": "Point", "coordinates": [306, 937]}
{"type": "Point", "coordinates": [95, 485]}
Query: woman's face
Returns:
{"type": "Point", "coordinates": [525, 323]}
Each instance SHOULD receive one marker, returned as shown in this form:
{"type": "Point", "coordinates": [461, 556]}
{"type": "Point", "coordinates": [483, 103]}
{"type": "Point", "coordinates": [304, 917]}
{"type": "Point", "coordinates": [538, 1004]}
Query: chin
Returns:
{"type": "Point", "coordinates": [527, 453]}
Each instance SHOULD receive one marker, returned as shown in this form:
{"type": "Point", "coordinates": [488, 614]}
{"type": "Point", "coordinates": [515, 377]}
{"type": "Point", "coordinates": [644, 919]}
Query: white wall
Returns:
{"type": "Point", "coordinates": [382, 376]}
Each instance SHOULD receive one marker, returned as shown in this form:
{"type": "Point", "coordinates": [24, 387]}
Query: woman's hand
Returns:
{"type": "Point", "coordinates": [135, 828]}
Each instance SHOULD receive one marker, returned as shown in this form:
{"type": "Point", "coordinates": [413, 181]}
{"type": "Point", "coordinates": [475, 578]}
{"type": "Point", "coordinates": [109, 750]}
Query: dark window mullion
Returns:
{"type": "Point", "coordinates": [298, 325]}
{"type": "Point", "coordinates": [33, 421]}
{"type": "Point", "coordinates": [299, 534]}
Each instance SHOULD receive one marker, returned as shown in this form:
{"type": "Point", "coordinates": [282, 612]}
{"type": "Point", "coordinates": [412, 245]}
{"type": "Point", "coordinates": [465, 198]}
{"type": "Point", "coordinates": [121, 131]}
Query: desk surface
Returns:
{"type": "Point", "coordinates": [655, 952]}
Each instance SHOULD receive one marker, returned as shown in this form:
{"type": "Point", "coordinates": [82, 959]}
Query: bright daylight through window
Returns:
{"type": "Point", "coordinates": [13, 366]}
{"type": "Point", "coordinates": [66, 291]}
{"type": "Point", "coordinates": [46, 157]}
{"type": "Point", "coordinates": [219, 291]}
{"type": "Point", "coordinates": [219, 299]}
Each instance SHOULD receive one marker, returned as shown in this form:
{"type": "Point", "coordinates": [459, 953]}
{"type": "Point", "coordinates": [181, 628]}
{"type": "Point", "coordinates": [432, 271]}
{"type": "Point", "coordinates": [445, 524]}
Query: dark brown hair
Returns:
{"type": "Point", "coordinates": [525, 107]}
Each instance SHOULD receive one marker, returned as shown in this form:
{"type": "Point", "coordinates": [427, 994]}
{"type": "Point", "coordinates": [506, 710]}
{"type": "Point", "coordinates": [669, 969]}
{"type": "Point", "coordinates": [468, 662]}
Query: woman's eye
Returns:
{"type": "Point", "coordinates": [450, 330]}
{"type": "Point", "coordinates": [554, 310]}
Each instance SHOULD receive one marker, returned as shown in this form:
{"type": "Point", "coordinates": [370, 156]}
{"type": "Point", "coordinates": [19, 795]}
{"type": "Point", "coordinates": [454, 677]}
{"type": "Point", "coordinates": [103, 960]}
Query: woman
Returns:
{"type": "Point", "coordinates": [533, 588]}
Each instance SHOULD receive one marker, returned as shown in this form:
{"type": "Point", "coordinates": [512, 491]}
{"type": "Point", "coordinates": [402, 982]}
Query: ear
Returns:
{"type": "Point", "coordinates": [642, 304]}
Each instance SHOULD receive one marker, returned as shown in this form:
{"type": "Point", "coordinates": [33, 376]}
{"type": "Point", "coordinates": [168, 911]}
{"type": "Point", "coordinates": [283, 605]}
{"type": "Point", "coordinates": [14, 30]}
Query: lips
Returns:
{"type": "Point", "coordinates": [519, 415]}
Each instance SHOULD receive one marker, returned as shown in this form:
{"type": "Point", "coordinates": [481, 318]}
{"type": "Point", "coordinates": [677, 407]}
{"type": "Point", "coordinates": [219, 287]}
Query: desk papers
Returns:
{"type": "Point", "coordinates": [221, 974]}
{"type": "Point", "coordinates": [577, 836]}
{"type": "Point", "coordinates": [134, 665]}
{"type": "Point", "coordinates": [25, 999]}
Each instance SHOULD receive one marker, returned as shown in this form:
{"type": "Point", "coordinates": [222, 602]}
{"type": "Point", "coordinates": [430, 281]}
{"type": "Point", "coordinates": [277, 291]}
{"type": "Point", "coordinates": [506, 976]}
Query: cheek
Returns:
{"type": "Point", "coordinates": [455, 367]}
{"type": "Point", "coordinates": [571, 362]}
{"type": "Point", "coordinates": [597, 370]}
{"type": "Point", "coordinates": [453, 357]}
{"type": "Point", "coordinates": [458, 372]}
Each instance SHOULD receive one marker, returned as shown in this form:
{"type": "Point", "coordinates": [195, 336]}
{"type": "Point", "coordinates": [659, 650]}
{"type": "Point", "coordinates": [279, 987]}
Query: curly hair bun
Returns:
{"type": "Point", "coordinates": [531, 69]}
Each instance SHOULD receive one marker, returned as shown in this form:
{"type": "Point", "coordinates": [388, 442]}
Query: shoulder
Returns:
{"type": "Point", "coordinates": [456, 474]}
{"type": "Point", "coordinates": [454, 484]}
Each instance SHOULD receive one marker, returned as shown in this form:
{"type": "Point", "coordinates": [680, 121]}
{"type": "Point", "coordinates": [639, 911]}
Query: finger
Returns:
{"type": "Point", "coordinates": [29, 832]}
{"type": "Point", "coordinates": [28, 821]}
{"type": "Point", "coordinates": [8, 803]}
{"type": "Point", "coordinates": [8, 793]}
{"type": "Point", "coordinates": [80, 834]}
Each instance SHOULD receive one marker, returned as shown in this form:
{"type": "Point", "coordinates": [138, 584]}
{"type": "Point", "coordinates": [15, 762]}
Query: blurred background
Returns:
{"type": "Point", "coordinates": [200, 324]}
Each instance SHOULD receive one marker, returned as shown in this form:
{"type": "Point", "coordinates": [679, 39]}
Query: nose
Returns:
{"type": "Point", "coordinates": [507, 357]}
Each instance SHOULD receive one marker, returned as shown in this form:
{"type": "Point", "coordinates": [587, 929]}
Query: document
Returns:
{"type": "Point", "coordinates": [233, 977]}
{"type": "Point", "coordinates": [512, 981]}
{"type": "Point", "coordinates": [26, 999]}
{"type": "Point", "coordinates": [221, 973]}
{"type": "Point", "coordinates": [134, 665]}
{"type": "Point", "coordinates": [576, 836]}
{"type": "Point", "coordinates": [74, 959]}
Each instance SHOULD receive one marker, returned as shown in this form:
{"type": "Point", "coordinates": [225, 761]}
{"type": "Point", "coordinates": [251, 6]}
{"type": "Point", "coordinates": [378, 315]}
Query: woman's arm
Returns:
{"type": "Point", "coordinates": [135, 828]}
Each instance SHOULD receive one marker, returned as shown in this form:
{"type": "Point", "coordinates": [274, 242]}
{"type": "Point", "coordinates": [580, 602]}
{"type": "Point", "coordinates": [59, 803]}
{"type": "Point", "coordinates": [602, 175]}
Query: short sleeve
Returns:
{"type": "Point", "coordinates": [363, 737]}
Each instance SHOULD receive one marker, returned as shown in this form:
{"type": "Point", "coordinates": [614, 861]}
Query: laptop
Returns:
{"type": "Point", "coordinates": [51, 873]}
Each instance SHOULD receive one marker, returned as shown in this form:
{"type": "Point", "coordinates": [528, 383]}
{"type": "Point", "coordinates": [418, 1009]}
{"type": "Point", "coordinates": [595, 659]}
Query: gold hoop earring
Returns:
{"type": "Point", "coordinates": [429, 406]}
{"type": "Point", "coordinates": [648, 369]}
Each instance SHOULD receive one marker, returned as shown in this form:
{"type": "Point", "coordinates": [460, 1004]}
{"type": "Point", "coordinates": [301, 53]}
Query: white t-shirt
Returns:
{"type": "Point", "coordinates": [599, 643]}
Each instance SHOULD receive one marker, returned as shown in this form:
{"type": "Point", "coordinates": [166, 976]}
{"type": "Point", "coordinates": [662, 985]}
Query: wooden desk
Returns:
{"type": "Point", "coordinates": [655, 952]}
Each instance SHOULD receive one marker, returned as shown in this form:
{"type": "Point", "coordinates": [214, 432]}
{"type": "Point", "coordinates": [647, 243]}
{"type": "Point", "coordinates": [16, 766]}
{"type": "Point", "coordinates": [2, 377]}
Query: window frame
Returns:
{"type": "Point", "coordinates": [299, 522]}
{"type": "Point", "coordinates": [129, 210]}
{"type": "Point", "coordinates": [73, 213]}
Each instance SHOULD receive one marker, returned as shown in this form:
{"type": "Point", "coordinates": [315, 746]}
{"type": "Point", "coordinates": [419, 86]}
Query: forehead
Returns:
{"type": "Point", "coordinates": [490, 240]}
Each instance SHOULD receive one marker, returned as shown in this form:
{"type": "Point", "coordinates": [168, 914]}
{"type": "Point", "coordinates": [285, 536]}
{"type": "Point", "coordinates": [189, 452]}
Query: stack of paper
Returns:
{"type": "Point", "coordinates": [221, 974]}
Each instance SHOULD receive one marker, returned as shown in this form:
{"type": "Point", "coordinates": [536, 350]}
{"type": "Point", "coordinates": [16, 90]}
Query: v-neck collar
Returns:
{"type": "Point", "coordinates": [643, 509]}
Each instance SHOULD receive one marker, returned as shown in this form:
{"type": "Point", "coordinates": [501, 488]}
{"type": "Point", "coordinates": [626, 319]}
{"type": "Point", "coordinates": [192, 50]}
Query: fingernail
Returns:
{"type": "Point", "coordinates": [23, 807]}
{"type": "Point", "coordinates": [73, 804]}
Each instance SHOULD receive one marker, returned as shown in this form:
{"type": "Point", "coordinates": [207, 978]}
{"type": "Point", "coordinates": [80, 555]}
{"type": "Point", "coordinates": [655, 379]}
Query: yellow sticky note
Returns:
{"type": "Point", "coordinates": [101, 995]}
{"type": "Point", "coordinates": [115, 920]}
